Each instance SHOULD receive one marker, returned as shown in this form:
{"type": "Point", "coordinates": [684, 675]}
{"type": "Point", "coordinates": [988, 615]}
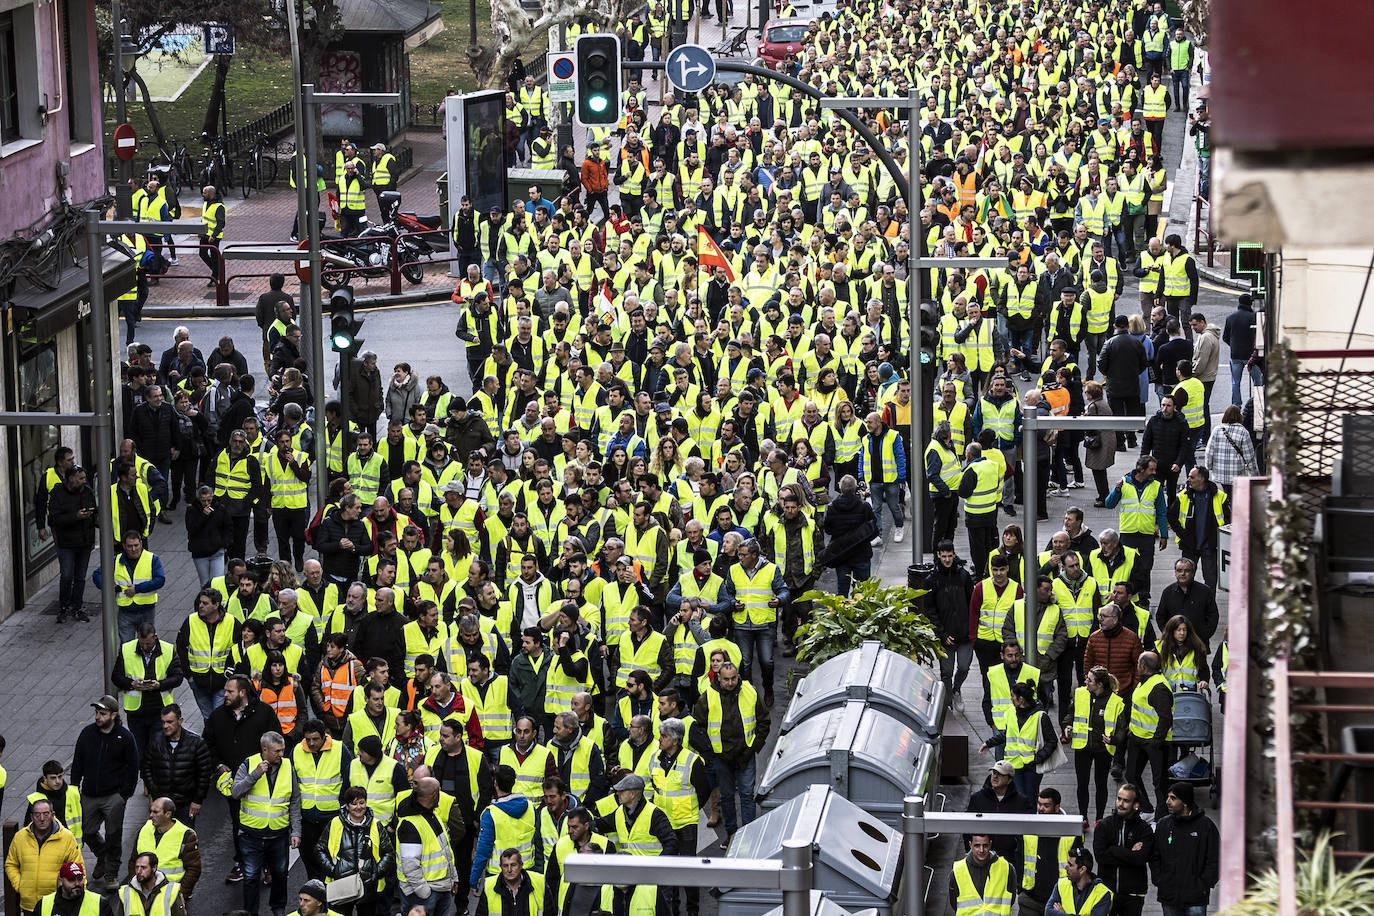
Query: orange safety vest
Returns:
{"type": "Point", "coordinates": [283, 702]}
{"type": "Point", "coordinates": [965, 190]}
{"type": "Point", "coordinates": [337, 687]}
{"type": "Point", "coordinates": [1058, 400]}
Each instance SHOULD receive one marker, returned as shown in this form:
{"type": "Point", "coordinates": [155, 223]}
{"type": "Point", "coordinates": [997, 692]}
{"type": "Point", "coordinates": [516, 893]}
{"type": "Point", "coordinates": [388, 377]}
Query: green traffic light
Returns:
{"type": "Point", "coordinates": [598, 103]}
{"type": "Point", "coordinates": [342, 341]}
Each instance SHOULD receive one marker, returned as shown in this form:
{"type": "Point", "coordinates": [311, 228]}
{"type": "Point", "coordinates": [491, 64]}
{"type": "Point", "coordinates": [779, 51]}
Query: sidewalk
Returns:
{"type": "Point", "coordinates": [265, 219]}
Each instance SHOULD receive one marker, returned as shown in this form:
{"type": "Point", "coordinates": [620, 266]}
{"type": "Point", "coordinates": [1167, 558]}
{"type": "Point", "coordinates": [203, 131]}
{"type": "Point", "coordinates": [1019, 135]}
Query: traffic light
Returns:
{"type": "Point", "coordinates": [598, 79]}
{"type": "Point", "coordinates": [343, 326]}
{"type": "Point", "coordinates": [930, 334]}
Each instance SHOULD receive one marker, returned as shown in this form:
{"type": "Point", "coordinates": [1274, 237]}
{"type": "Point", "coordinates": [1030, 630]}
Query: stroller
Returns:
{"type": "Point", "coordinates": [1192, 731]}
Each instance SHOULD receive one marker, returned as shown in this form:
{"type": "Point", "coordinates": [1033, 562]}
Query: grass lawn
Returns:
{"type": "Point", "coordinates": [257, 84]}
{"type": "Point", "coordinates": [442, 62]}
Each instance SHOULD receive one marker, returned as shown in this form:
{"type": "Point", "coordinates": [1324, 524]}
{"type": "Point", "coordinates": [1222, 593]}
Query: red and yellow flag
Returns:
{"type": "Point", "coordinates": [709, 255]}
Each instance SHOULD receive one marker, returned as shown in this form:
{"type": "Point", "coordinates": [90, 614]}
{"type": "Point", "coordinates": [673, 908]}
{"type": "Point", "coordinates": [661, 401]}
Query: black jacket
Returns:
{"type": "Point", "coordinates": [339, 561]}
{"type": "Point", "coordinates": [1198, 530]}
{"type": "Point", "coordinates": [468, 435]}
{"type": "Point", "coordinates": [206, 535]}
{"type": "Point", "coordinates": [1185, 862]}
{"type": "Point", "coordinates": [985, 801]}
{"type": "Point", "coordinates": [105, 762]}
{"type": "Point", "coordinates": [156, 432]}
{"type": "Point", "coordinates": [68, 529]}
{"type": "Point", "coordinates": [947, 605]}
{"type": "Point", "coordinates": [1198, 604]}
{"type": "Point", "coordinates": [240, 408]}
{"type": "Point", "coordinates": [850, 526]}
{"type": "Point", "coordinates": [381, 636]}
{"type": "Point", "coordinates": [1119, 866]}
{"type": "Point", "coordinates": [1166, 440]}
{"type": "Point", "coordinates": [233, 739]}
{"type": "Point", "coordinates": [1122, 360]}
{"type": "Point", "coordinates": [184, 774]}
{"type": "Point", "coordinates": [1167, 357]}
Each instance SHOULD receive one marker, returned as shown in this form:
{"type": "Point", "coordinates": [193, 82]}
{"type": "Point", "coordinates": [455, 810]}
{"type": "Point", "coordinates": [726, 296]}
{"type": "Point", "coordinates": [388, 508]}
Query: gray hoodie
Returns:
{"type": "Point", "coordinates": [1206, 353]}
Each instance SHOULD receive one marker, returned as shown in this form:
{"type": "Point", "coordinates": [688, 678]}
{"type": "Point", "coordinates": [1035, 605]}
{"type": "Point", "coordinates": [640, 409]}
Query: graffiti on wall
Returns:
{"type": "Point", "coordinates": [341, 71]}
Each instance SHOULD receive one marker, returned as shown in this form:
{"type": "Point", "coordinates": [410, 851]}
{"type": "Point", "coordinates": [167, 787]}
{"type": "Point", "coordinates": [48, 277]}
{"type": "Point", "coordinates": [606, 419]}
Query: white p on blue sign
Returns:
{"type": "Point", "coordinates": [219, 38]}
{"type": "Point", "coordinates": [691, 68]}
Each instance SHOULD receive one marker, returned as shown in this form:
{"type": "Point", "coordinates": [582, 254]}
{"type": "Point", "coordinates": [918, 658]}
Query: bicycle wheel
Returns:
{"type": "Point", "coordinates": [250, 178]}
{"type": "Point", "coordinates": [268, 160]}
{"type": "Point", "coordinates": [207, 174]}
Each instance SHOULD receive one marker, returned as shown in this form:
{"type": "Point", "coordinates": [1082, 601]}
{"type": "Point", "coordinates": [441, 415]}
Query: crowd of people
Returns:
{"type": "Point", "coordinates": [543, 618]}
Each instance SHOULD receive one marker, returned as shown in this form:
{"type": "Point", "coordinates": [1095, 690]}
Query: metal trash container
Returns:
{"type": "Point", "coordinates": [518, 183]}
{"type": "Point", "coordinates": [864, 754]}
{"type": "Point", "coordinates": [904, 689]}
{"type": "Point", "coordinates": [441, 185]}
{"type": "Point", "coordinates": [821, 905]}
{"type": "Point", "coordinates": [856, 858]}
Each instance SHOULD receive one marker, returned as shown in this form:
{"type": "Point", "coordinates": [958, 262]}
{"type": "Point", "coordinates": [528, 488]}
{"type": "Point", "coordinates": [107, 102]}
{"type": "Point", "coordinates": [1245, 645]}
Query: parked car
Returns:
{"type": "Point", "coordinates": [782, 37]}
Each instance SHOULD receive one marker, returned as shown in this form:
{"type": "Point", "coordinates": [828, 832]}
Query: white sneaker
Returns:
{"type": "Point", "coordinates": [901, 533]}
{"type": "Point", "coordinates": [1076, 485]}
{"type": "Point", "coordinates": [173, 261]}
{"type": "Point", "coordinates": [876, 542]}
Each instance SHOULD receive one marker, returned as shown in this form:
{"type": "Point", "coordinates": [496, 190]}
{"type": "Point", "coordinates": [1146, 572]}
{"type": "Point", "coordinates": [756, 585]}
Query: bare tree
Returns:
{"type": "Point", "coordinates": [1196, 14]}
{"type": "Point", "coordinates": [513, 31]}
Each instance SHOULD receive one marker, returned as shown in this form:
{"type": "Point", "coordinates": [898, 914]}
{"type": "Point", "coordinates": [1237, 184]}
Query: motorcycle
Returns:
{"type": "Point", "coordinates": [368, 254]}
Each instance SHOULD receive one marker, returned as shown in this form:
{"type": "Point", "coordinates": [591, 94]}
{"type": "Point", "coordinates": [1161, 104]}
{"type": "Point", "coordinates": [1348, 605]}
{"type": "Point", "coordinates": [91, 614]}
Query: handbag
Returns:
{"type": "Point", "coordinates": [344, 890]}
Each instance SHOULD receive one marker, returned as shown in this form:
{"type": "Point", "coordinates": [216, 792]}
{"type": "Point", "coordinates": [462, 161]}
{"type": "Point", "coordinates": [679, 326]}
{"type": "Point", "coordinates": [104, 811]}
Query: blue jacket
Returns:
{"type": "Point", "coordinates": [875, 446]}
{"type": "Point", "coordinates": [515, 806]}
{"type": "Point", "coordinates": [158, 580]}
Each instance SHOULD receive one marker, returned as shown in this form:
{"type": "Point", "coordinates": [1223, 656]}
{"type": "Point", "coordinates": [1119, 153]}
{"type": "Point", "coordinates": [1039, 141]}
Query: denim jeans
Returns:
{"type": "Point", "coordinates": [1237, 374]}
{"type": "Point", "coordinates": [1204, 177]}
{"type": "Point", "coordinates": [206, 700]}
{"type": "Point", "coordinates": [1027, 781]}
{"type": "Point", "coordinates": [436, 904]}
{"type": "Point", "coordinates": [752, 640]}
{"type": "Point", "coordinates": [129, 618]}
{"type": "Point", "coordinates": [1180, 80]}
{"type": "Point", "coordinates": [264, 849]}
{"type": "Point", "coordinates": [731, 781]}
{"type": "Point", "coordinates": [1024, 340]}
{"type": "Point", "coordinates": [890, 493]}
{"type": "Point", "coordinates": [846, 576]}
{"type": "Point", "coordinates": [72, 561]}
{"type": "Point", "coordinates": [208, 568]}
{"type": "Point", "coordinates": [1183, 910]}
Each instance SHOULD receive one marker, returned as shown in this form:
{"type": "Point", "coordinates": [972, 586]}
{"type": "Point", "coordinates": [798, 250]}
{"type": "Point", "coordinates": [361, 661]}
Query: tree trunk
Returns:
{"type": "Point", "coordinates": [210, 126]}
{"type": "Point", "coordinates": [148, 109]}
{"type": "Point", "coordinates": [513, 31]}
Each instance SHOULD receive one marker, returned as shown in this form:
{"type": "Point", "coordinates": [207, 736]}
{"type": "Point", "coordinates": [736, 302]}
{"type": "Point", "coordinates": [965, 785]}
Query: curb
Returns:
{"type": "Point", "coordinates": [1222, 278]}
{"type": "Point", "coordinates": [362, 303]}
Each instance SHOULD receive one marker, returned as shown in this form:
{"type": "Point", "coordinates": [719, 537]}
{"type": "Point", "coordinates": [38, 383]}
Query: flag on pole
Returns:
{"type": "Point", "coordinates": [604, 304]}
{"type": "Point", "coordinates": [709, 255]}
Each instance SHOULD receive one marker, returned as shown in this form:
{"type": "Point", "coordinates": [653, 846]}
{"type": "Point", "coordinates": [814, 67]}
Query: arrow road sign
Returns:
{"type": "Point", "coordinates": [691, 68]}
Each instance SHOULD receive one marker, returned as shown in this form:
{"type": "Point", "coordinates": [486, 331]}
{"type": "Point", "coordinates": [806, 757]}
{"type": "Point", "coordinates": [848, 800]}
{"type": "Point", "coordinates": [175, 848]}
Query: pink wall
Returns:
{"type": "Point", "coordinates": [28, 178]}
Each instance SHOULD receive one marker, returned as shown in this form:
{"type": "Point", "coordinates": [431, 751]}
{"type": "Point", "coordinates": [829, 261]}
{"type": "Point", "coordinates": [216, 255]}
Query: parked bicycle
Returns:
{"type": "Point", "coordinates": [260, 167]}
{"type": "Point", "coordinates": [176, 169]}
{"type": "Point", "coordinates": [215, 167]}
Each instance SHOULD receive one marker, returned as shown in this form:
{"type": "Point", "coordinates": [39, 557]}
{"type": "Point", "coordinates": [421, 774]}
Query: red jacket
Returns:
{"type": "Point", "coordinates": [1117, 653]}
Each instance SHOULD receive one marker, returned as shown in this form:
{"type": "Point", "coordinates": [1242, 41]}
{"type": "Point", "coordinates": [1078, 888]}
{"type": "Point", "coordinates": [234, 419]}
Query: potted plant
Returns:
{"type": "Point", "coordinates": [888, 614]}
{"type": "Point", "coordinates": [1321, 888]}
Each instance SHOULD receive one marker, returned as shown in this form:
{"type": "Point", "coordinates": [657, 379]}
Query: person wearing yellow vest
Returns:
{"type": "Point", "coordinates": [1028, 738]}
{"type": "Point", "coordinates": [65, 798]}
{"type": "Point", "coordinates": [1180, 282]}
{"type": "Point", "coordinates": [149, 891]}
{"type": "Point", "coordinates": [982, 883]}
{"type": "Point", "coordinates": [1079, 892]}
{"type": "Point", "coordinates": [1190, 399]}
{"type": "Point", "coordinates": [1051, 635]}
{"type": "Point", "coordinates": [641, 828]}
{"type": "Point", "coordinates": [1093, 724]}
{"type": "Point", "coordinates": [288, 475]}
{"type": "Point", "coordinates": [580, 837]}
{"type": "Point", "coordinates": [1044, 859]}
{"type": "Point", "coordinates": [1143, 519]}
{"type": "Point", "coordinates": [269, 816]}
{"type": "Point", "coordinates": [992, 601]}
{"type": "Point", "coordinates": [385, 171]}
{"type": "Point", "coordinates": [757, 589]}
{"type": "Point", "coordinates": [211, 232]}
{"type": "Point", "coordinates": [1150, 713]}
{"type": "Point", "coordinates": [882, 466]}
{"type": "Point", "coordinates": [426, 866]}
{"type": "Point", "coordinates": [380, 775]}
{"type": "Point", "coordinates": [352, 203]}
{"type": "Point", "coordinates": [173, 843]}
{"type": "Point", "coordinates": [729, 727]}
{"type": "Point", "coordinates": [579, 761]}
{"type": "Point", "coordinates": [321, 766]}
{"type": "Point", "coordinates": [146, 671]}
{"type": "Point", "coordinates": [943, 472]}
{"type": "Point", "coordinates": [681, 788]}
{"type": "Point", "coordinates": [1155, 108]}
{"type": "Point", "coordinates": [138, 575]}
{"type": "Point", "coordinates": [1196, 517]}
{"type": "Point", "coordinates": [513, 891]}
{"type": "Point", "coordinates": [507, 823]}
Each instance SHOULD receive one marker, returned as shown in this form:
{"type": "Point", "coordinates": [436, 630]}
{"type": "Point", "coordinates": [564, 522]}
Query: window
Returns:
{"type": "Point", "coordinates": [37, 392]}
{"type": "Point", "coordinates": [9, 81]}
{"type": "Point", "coordinates": [77, 75]}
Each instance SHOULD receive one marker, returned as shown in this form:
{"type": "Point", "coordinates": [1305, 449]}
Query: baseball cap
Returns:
{"type": "Point", "coordinates": [379, 146]}
{"type": "Point", "coordinates": [1002, 766]}
{"type": "Point", "coordinates": [107, 703]}
{"type": "Point", "coordinates": [71, 871]}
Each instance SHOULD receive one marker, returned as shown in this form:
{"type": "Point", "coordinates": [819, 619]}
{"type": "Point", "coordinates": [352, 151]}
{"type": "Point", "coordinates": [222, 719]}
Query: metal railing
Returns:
{"type": "Point", "coordinates": [276, 122]}
{"type": "Point", "coordinates": [1203, 230]}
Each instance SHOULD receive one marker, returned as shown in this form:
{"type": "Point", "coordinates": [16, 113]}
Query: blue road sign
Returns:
{"type": "Point", "coordinates": [691, 68]}
{"type": "Point", "coordinates": [219, 38]}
